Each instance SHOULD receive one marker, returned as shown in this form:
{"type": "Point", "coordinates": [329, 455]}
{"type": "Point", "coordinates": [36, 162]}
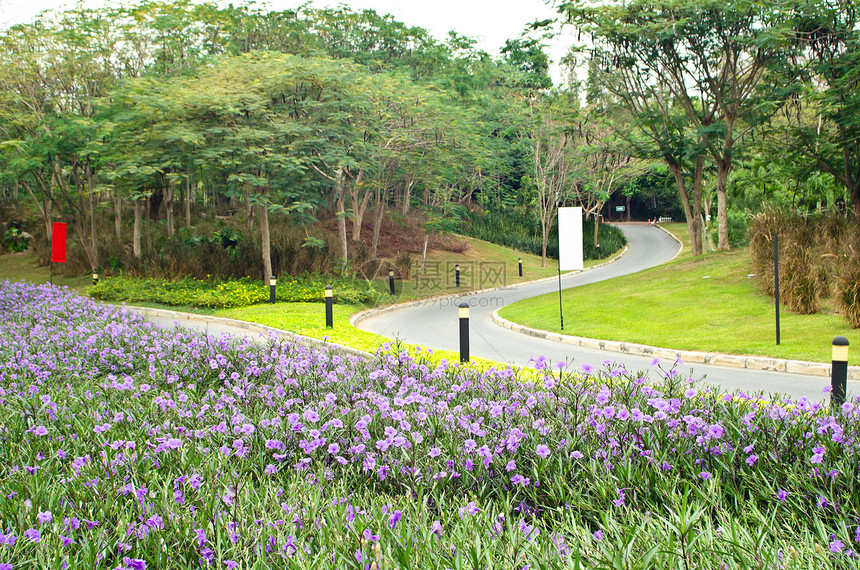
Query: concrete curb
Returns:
{"type": "Point", "coordinates": [687, 356]}
{"type": "Point", "coordinates": [251, 327]}
{"type": "Point", "coordinates": [366, 314]}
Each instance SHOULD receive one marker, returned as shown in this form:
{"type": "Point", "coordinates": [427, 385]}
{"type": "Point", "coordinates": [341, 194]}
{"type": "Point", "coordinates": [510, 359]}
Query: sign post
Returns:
{"type": "Point", "coordinates": [58, 245]}
{"type": "Point", "coordinates": [569, 247]}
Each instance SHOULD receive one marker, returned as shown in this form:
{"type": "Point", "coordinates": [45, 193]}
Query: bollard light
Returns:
{"type": "Point", "coordinates": [391, 281]}
{"type": "Point", "coordinates": [521, 266]}
{"type": "Point", "coordinates": [329, 301]}
{"type": "Point", "coordinates": [95, 277]}
{"type": "Point", "coordinates": [272, 283]}
{"type": "Point", "coordinates": [839, 371]}
{"type": "Point", "coordinates": [464, 332]}
{"type": "Point", "coordinates": [457, 274]}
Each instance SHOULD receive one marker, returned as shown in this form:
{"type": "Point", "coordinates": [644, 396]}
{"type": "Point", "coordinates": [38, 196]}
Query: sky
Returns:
{"type": "Point", "coordinates": [491, 22]}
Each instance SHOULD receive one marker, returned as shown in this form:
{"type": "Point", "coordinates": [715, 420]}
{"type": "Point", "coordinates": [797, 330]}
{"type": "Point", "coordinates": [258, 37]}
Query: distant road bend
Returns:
{"type": "Point", "coordinates": [434, 324]}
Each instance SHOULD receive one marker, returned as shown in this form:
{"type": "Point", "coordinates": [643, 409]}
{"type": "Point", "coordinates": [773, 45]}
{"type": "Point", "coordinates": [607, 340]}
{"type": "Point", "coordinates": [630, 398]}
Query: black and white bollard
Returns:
{"type": "Point", "coordinates": [272, 283]}
{"type": "Point", "coordinates": [457, 274]}
{"type": "Point", "coordinates": [95, 277]}
{"type": "Point", "coordinates": [839, 371]}
{"type": "Point", "coordinates": [329, 301]}
{"type": "Point", "coordinates": [391, 281]}
{"type": "Point", "coordinates": [521, 266]}
{"type": "Point", "coordinates": [464, 332]}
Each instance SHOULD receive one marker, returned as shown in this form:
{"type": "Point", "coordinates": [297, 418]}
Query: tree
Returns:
{"type": "Point", "coordinates": [703, 59]}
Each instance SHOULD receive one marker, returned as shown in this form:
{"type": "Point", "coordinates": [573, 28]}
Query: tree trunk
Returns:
{"type": "Point", "coordinates": [406, 198]}
{"type": "Point", "coordinates": [543, 242]}
{"type": "Point", "coordinates": [188, 202]}
{"type": "Point", "coordinates": [15, 192]}
{"type": "Point", "coordinates": [138, 210]}
{"type": "Point", "coordinates": [596, 226]}
{"type": "Point", "coordinates": [692, 210]}
{"type": "Point", "coordinates": [377, 227]}
{"type": "Point", "coordinates": [722, 206]}
{"type": "Point", "coordinates": [117, 216]}
{"type": "Point", "coordinates": [249, 210]}
{"type": "Point", "coordinates": [359, 206]}
{"type": "Point", "coordinates": [168, 205]}
{"type": "Point", "coordinates": [266, 243]}
{"type": "Point", "coordinates": [629, 215]}
{"type": "Point", "coordinates": [93, 233]}
{"type": "Point", "coordinates": [148, 227]}
{"type": "Point", "coordinates": [341, 215]}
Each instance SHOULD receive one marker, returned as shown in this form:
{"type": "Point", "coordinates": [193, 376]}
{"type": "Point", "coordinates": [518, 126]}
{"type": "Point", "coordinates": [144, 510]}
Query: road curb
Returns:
{"type": "Point", "coordinates": [251, 327]}
{"type": "Point", "coordinates": [757, 363]}
{"type": "Point", "coordinates": [368, 313]}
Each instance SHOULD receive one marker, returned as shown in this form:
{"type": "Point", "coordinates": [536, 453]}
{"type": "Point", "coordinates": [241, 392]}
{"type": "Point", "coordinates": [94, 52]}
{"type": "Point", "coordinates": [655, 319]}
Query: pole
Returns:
{"type": "Point", "coordinates": [457, 274]}
{"type": "Point", "coordinates": [391, 281]}
{"type": "Point", "coordinates": [521, 266]}
{"type": "Point", "coordinates": [839, 371]}
{"type": "Point", "coordinates": [52, 272]}
{"type": "Point", "coordinates": [272, 283]}
{"type": "Point", "coordinates": [560, 312]}
{"type": "Point", "coordinates": [464, 332]}
{"type": "Point", "coordinates": [329, 300]}
{"type": "Point", "coordinates": [776, 281]}
{"type": "Point", "coordinates": [95, 277]}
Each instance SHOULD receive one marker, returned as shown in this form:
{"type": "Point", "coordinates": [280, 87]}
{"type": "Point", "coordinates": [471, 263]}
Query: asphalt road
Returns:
{"type": "Point", "coordinates": [435, 324]}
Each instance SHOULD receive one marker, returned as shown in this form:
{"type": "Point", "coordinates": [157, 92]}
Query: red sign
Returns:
{"type": "Point", "coordinates": [58, 242]}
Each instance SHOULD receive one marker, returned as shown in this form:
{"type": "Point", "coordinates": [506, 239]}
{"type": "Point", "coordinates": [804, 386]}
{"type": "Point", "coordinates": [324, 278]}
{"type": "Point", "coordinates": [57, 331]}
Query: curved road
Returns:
{"type": "Point", "coordinates": [435, 324]}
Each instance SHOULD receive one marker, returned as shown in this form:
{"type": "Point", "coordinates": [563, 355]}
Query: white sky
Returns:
{"type": "Point", "coordinates": [491, 22]}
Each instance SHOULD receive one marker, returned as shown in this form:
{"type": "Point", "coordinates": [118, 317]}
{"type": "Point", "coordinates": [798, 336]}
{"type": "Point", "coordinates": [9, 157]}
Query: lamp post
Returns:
{"type": "Point", "coordinates": [391, 281]}
{"type": "Point", "coordinates": [464, 332]}
{"type": "Point", "coordinates": [272, 283]}
{"type": "Point", "coordinates": [329, 301]}
{"type": "Point", "coordinates": [839, 371]}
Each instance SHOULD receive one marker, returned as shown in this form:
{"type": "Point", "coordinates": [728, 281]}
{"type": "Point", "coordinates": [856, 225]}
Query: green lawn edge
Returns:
{"type": "Point", "coordinates": [710, 303]}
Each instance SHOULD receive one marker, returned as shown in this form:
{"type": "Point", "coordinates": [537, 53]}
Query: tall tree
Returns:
{"type": "Point", "coordinates": [706, 57]}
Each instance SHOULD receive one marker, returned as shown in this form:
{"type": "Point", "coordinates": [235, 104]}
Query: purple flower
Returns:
{"type": "Point", "coordinates": [705, 475]}
{"type": "Point", "coordinates": [394, 519]}
{"type": "Point", "coordinates": [586, 369]}
{"type": "Point", "coordinates": [5, 566]}
{"type": "Point", "coordinates": [45, 517]}
{"type": "Point", "coordinates": [40, 430]}
{"type": "Point", "coordinates": [520, 480]}
{"type": "Point", "coordinates": [33, 535]}
{"type": "Point", "coordinates": [836, 546]}
{"type": "Point", "coordinates": [752, 459]}
{"type": "Point", "coordinates": [436, 528]}
{"type": "Point", "coordinates": [782, 495]}
{"type": "Point", "coordinates": [599, 536]}
{"type": "Point", "coordinates": [200, 535]}
{"type": "Point", "coordinates": [542, 450]}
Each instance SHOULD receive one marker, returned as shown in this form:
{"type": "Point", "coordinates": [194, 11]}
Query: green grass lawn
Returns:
{"type": "Point", "coordinates": [707, 304]}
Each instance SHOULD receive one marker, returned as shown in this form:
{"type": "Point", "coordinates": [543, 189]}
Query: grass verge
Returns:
{"type": "Point", "coordinates": [709, 303]}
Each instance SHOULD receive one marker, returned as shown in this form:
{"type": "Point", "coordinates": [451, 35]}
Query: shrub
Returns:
{"type": "Point", "coordinates": [520, 232]}
{"type": "Point", "coordinates": [228, 294]}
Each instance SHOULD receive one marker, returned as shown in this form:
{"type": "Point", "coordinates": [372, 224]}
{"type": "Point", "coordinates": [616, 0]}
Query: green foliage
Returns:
{"type": "Point", "coordinates": [738, 229]}
{"type": "Point", "coordinates": [15, 240]}
{"type": "Point", "coordinates": [228, 294]}
{"type": "Point", "coordinates": [522, 233]}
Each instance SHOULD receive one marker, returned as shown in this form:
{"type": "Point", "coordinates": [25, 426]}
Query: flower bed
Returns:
{"type": "Point", "coordinates": [124, 445]}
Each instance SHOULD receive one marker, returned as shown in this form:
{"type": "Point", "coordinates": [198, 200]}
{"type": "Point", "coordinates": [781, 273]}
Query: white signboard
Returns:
{"type": "Point", "coordinates": [570, 239]}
